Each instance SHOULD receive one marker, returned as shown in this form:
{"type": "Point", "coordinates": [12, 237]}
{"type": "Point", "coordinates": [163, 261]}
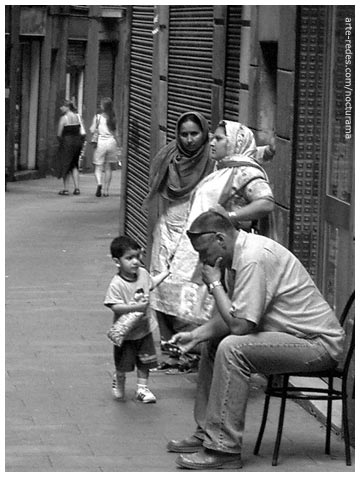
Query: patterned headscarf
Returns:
{"type": "Point", "coordinates": [240, 140]}
{"type": "Point", "coordinates": [241, 150]}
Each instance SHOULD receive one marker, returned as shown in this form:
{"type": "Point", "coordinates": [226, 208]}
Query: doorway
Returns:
{"type": "Point", "coordinates": [27, 107]}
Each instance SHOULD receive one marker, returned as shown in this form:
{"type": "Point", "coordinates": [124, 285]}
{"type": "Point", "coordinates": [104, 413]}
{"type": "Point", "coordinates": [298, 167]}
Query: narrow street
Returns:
{"type": "Point", "coordinates": [60, 415]}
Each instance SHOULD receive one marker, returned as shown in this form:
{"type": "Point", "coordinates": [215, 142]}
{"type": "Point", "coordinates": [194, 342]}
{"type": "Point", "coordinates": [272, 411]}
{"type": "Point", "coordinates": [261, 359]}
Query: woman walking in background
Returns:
{"type": "Point", "coordinates": [106, 147]}
{"type": "Point", "coordinates": [71, 135]}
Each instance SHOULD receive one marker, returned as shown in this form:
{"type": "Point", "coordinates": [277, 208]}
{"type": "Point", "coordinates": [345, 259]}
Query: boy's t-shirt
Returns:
{"type": "Point", "coordinates": [122, 291]}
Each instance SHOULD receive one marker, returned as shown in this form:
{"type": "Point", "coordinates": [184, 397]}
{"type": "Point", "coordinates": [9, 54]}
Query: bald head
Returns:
{"type": "Point", "coordinates": [213, 236]}
{"type": "Point", "coordinates": [210, 221]}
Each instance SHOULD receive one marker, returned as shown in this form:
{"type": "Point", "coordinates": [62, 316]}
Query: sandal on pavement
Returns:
{"type": "Point", "coordinates": [167, 366]}
{"type": "Point", "coordinates": [169, 348]}
{"type": "Point", "coordinates": [76, 192]}
{"type": "Point", "coordinates": [64, 192]}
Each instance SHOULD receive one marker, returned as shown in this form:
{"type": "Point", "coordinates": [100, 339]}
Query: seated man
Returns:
{"type": "Point", "coordinates": [270, 318]}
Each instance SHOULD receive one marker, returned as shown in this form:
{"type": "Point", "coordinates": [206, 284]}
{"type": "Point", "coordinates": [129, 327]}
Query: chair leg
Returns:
{"type": "Point", "coordinates": [263, 424]}
{"type": "Point", "coordinates": [329, 417]}
{"type": "Point", "coordinates": [280, 421]}
{"type": "Point", "coordinates": [346, 431]}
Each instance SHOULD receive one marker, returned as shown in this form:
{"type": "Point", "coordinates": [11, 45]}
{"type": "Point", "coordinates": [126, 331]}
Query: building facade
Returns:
{"type": "Point", "coordinates": [55, 53]}
{"type": "Point", "coordinates": [280, 70]}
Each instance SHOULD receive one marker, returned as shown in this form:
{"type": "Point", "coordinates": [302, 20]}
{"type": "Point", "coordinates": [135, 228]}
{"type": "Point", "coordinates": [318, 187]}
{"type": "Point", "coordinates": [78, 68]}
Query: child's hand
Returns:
{"type": "Point", "coordinates": [143, 304]}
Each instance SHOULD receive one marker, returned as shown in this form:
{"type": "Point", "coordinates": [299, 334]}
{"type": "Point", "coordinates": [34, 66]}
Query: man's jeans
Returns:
{"type": "Point", "coordinates": [224, 376]}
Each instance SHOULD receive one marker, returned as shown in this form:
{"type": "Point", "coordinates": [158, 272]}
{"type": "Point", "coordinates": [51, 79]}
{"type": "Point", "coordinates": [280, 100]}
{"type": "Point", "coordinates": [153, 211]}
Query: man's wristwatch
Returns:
{"type": "Point", "coordinates": [213, 285]}
{"type": "Point", "coordinates": [232, 215]}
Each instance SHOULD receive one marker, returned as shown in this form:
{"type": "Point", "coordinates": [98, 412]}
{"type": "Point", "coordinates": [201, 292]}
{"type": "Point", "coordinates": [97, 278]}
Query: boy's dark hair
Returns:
{"type": "Point", "coordinates": [120, 245]}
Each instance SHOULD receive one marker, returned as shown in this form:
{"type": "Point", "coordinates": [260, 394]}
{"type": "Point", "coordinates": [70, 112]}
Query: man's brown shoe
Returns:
{"type": "Point", "coordinates": [208, 459]}
{"type": "Point", "coordinates": [188, 445]}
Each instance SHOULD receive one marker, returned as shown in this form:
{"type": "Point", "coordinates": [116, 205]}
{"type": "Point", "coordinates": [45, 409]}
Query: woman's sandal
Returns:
{"type": "Point", "coordinates": [64, 192]}
{"type": "Point", "coordinates": [76, 192]}
{"type": "Point", "coordinates": [170, 349]}
{"type": "Point", "coordinates": [167, 366]}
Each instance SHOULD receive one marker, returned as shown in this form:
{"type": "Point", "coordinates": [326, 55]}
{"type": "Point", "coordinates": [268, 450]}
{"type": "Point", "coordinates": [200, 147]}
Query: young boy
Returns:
{"type": "Point", "coordinates": [123, 297]}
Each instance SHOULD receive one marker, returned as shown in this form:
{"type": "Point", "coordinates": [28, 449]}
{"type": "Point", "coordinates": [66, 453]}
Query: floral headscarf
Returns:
{"type": "Point", "coordinates": [241, 150]}
{"type": "Point", "coordinates": [240, 140]}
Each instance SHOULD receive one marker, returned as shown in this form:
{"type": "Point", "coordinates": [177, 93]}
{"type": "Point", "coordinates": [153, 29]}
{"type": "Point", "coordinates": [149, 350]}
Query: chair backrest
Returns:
{"type": "Point", "coordinates": [347, 321]}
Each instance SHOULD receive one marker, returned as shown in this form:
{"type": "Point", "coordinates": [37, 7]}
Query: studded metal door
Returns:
{"type": "Point", "coordinates": [308, 135]}
{"type": "Point", "coordinates": [140, 101]}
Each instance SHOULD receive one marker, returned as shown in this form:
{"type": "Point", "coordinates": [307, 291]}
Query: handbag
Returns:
{"type": "Point", "coordinates": [95, 135]}
{"type": "Point", "coordinates": [126, 322]}
{"type": "Point", "coordinates": [119, 154]}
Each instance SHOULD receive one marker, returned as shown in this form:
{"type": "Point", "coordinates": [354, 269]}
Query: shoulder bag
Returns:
{"type": "Point", "coordinates": [95, 135]}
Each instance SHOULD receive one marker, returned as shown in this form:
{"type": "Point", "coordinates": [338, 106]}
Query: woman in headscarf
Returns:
{"type": "Point", "coordinates": [238, 187]}
{"type": "Point", "coordinates": [174, 173]}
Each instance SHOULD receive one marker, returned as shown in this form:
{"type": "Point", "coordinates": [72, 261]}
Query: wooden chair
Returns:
{"type": "Point", "coordinates": [283, 389]}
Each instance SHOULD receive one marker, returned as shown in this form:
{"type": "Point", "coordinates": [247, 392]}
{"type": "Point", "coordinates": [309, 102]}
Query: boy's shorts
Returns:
{"type": "Point", "coordinates": [140, 353]}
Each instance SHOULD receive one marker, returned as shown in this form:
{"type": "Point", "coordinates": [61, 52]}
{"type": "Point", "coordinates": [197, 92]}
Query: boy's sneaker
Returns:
{"type": "Point", "coordinates": [143, 394]}
{"type": "Point", "coordinates": [118, 388]}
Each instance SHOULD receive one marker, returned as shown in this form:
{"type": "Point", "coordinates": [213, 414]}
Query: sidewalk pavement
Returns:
{"type": "Point", "coordinates": [60, 415]}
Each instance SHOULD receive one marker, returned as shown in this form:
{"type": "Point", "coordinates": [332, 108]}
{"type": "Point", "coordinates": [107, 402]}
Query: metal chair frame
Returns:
{"type": "Point", "coordinates": [329, 393]}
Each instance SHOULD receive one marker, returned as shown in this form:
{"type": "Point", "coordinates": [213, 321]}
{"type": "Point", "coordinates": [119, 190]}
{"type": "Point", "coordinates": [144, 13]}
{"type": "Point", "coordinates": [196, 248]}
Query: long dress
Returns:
{"type": "Point", "coordinates": [71, 143]}
{"type": "Point", "coordinates": [174, 173]}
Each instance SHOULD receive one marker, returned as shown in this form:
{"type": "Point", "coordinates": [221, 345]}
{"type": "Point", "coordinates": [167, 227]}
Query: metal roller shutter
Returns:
{"type": "Point", "coordinates": [76, 54]}
{"type": "Point", "coordinates": [106, 70]}
{"type": "Point", "coordinates": [139, 121]}
{"type": "Point", "coordinates": [233, 51]}
{"type": "Point", "coordinates": [189, 62]}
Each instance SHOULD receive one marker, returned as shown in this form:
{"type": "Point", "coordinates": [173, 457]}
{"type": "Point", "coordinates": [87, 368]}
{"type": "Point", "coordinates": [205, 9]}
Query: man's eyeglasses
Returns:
{"type": "Point", "coordinates": [191, 234]}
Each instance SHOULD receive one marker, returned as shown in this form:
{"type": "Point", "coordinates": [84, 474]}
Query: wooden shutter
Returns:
{"type": "Point", "coordinates": [189, 62]}
{"type": "Point", "coordinates": [140, 103]}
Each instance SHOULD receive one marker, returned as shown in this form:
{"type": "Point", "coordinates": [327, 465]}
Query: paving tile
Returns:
{"type": "Point", "coordinates": [28, 464]}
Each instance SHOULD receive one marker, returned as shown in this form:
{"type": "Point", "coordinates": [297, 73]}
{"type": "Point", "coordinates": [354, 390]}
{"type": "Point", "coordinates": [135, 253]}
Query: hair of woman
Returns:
{"type": "Point", "coordinates": [69, 104]}
{"type": "Point", "coordinates": [107, 107]}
